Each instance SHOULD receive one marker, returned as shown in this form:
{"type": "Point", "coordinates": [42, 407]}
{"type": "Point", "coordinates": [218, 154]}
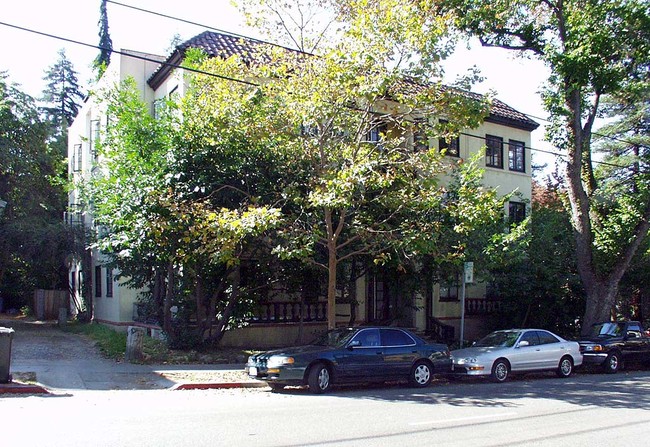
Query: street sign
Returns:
{"type": "Point", "coordinates": [469, 272]}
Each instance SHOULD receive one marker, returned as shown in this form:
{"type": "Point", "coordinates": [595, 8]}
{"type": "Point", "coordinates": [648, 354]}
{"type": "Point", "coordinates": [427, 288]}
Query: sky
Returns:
{"type": "Point", "coordinates": [26, 56]}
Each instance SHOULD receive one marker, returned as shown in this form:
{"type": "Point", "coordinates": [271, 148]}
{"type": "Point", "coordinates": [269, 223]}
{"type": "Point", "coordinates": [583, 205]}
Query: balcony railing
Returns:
{"type": "Point", "coordinates": [481, 306]}
{"type": "Point", "coordinates": [289, 312]}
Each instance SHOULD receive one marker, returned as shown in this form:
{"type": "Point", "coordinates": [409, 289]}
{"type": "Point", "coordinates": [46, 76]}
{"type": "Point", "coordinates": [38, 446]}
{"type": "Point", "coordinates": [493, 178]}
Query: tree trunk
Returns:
{"type": "Point", "coordinates": [220, 329]}
{"type": "Point", "coordinates": [167, 323]}
{"type": "Point", "coordinates": [331, 285]}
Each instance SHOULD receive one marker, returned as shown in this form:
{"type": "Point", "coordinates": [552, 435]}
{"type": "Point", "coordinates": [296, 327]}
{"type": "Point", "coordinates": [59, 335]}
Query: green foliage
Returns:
{"type": "Point", "coordinates": [33, 239]}
{"type": "Point", "coordinates": [593, 48]}
{"type": "Point", "coordinates": [62, 95]}
{"type": "Point", "coordinates": [534, 270]}
{"type": "Point", "coordinates": [103, 59]}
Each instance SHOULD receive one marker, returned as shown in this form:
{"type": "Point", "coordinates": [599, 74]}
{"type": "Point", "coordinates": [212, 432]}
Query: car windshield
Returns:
{"type": "Point", "coordinates": [335, 337]}
{"type": "Point", "coordinates": [606, 330]}
{"type": "Point", "coordinates": [500, 338]}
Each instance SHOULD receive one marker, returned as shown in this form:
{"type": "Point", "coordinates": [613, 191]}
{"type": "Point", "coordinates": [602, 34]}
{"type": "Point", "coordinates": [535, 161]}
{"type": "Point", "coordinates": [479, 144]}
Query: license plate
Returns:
{"type": "Point", "coordinates": [252, 371]}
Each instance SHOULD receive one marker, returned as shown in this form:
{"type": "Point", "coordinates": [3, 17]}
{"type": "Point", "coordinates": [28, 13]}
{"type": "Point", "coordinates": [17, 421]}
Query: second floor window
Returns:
{"type": "Point", "coordinates": [516, 156]}
{"type": "Point", "coordinates": [494, 151]}
{"type": "Point", "coordinates": [77, 157]}
{"type": "Point", "coordinates": [94, 138]}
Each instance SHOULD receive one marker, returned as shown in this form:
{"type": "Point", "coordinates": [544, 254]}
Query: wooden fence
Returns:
{"type": "Point", "coordinates": [48, 302]}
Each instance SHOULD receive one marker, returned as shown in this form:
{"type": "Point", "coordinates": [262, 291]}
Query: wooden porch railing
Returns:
{"type": "Point", "coordinates": [439, 331]}
{"type": "Point", "coordinates": [289, 312]}
{"type": "Point", "coordinates": [481, 306]}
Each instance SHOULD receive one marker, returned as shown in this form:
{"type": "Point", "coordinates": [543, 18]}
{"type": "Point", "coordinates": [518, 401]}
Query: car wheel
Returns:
{"type": "Point", "coordinates": [500, 371]}
{"type": "Point", "coordinates": [565, 368]}
{"type": "Point", "coordinates": [276, 387]}
{"type": "Point", "coordinates": [612, 363]}
{"type": "Point", "coordinates": [421, 374]}
{"type": "Point", "coordinates": [319, 379]}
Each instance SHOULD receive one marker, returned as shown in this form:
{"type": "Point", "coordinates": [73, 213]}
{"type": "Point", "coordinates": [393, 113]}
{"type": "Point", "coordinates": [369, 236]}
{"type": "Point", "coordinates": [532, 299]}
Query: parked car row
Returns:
{"type": "Point", "coordinates": [384, 354]}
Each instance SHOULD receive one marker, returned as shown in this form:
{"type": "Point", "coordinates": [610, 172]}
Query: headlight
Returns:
{"type": "Point", "coordinates": [279, 360]}
{"type": "Point", "coordinates": [594, 348]}
{"type": "Point", "coordinates": [467, 360]}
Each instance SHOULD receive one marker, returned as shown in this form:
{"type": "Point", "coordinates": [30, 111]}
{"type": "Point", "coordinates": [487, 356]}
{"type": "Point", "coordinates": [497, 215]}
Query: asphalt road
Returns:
{"type": "Point", "coordinates": [585, 410]}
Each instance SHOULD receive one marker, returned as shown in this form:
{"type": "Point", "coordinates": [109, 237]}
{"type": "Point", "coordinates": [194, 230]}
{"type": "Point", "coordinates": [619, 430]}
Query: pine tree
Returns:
{"type": "Point", "coordinates": [105, 43]}
{"type": "Point", "coordinates": [62, 96]}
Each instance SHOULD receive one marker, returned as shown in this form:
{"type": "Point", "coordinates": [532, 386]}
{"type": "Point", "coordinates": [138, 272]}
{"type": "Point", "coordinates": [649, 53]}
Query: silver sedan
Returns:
{"type": "Point", "coordinates": [517, 350]}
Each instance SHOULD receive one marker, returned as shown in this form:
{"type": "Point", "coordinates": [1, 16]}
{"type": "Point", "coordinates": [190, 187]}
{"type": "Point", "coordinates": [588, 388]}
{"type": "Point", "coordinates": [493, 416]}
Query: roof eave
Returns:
{"type": "Point", "coordinates": [517, 124]}
{"type": "Point", "coordinates": [165, 69]}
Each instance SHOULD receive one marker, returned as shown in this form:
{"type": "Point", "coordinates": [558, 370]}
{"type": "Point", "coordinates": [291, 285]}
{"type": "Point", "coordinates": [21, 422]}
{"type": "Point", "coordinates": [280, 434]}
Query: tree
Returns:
{"type": "Point", "coordinates": [536, 277]}
{"type": "Point", "coordinates": [103, 59]}
{"type": "Point", "coordinates": [62, 98]}
{"type": "Point", "coordinates": [359, 114]}
{"type": "Point", "coordinates": [624, 143]}
{"type": "Point", "coordinates": [33, 239]}
{"type": "Point", "coordinates": [167, 227]}
{"type": "Point", "coordinates": [592, 48]}
{"type": "Point", "coordinates": [62, 95]}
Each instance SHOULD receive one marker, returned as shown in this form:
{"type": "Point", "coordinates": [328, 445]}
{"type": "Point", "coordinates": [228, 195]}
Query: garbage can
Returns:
{"type": "Point", "coordinates": [6, 336]}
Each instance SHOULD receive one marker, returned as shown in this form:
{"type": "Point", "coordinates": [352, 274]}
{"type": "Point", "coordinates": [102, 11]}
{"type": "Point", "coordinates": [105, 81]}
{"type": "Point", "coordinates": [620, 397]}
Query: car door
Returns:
{"type": "Point", "coordinates": [551, 350]}
{"type": "Point", "coordinates": [525, 354]}
{"type": "Point", "coordinates": [400, 352]}
{"type": "Point", "coordinates": [363, 359]}
{"type": "Point", "coordinates": [634, 342]}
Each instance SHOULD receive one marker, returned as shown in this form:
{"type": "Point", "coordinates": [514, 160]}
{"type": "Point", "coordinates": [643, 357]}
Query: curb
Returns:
{"type": "Point", "coordinates": [217, 386]}
{"type": "Point", "coordinates": [22, 388]}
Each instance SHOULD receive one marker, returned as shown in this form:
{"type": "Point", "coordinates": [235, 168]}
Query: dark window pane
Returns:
{"type": "Point", "coordinates": [516, 156]}
{"type": "Point", "coordinates": [395, 337]}
{"type": "Point", "coordinates": [516, 212]}
{"type": "Point", "coordinates": [494, 151]}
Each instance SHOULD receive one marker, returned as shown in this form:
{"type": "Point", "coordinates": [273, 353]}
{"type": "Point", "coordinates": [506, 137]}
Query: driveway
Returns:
{"type": "Point", "coordinates": [58, 359]}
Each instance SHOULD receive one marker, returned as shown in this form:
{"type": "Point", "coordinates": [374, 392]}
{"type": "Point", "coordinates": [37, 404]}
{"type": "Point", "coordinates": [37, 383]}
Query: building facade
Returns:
{"type": "Point", "coordinates": [506, 135]}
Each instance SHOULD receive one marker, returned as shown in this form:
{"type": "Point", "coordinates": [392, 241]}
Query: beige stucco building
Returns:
{"type": "Point", "coordinates": [506, 133]}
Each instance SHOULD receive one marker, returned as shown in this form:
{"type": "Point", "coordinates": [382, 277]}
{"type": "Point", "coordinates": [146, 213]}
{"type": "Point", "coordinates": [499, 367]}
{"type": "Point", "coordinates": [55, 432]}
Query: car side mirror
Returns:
{"type": "Point", "coordinates": [631, 334]}
{"type": "Point", "coordinates": [523, 343]}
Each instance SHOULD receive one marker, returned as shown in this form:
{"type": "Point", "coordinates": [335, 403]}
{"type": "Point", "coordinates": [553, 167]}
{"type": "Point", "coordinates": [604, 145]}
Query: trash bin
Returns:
{"type": "Point", "coordinates": [6, 336]}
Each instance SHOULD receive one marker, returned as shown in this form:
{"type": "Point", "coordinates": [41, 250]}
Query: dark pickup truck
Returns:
{"type": "Point", "coordinates": [609, 344]}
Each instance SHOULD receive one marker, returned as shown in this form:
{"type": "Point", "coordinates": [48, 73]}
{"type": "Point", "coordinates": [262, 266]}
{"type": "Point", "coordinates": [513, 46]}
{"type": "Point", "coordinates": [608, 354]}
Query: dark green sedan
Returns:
{"type": "Point", "coordinates": [352, 355]}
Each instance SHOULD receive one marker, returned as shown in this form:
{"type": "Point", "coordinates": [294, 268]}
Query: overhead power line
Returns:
{"type": "Point", "coordinates": [123, 53]}
{"type": "Point", "coordinates": [141, 56]}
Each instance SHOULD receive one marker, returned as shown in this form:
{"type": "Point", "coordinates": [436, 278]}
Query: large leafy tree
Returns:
{"type": "Point", "coordinates": [350, 117]}
{"type": "Point", "coordinates": [624, 143]}
{"type": "Point", "coordinates": [537, 277]}
{"type": "Point", "coordinates": [33, 240]}
{"type": "Point", "coordinates": [168, 227]}
{"type": "Point", "coordinates": [593, 48]}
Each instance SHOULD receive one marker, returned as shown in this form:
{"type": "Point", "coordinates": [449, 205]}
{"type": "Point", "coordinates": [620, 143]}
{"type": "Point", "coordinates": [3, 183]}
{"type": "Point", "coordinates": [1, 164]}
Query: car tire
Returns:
{"type": "Point", "coordinates": [421, 374]}
{"type": "Point", "coordinates": [276, 387]}
{"type": "Point", "coordinates": [500, 371]}
{"type": "Point", "coordinates": [565, 367]}
{"type": "Point", "coordinates": [319, 379]}
{"type": "Point", "coordinates": [612, 363]}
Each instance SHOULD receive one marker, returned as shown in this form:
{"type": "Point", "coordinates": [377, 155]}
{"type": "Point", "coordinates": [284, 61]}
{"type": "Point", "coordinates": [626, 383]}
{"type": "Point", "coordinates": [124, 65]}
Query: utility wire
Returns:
{"type": "Point", "coordinates": [194, 70]}
{"type": "Point", "coordinates": [147, 11]}
{"type": "Point", "coordinates": [189, 22]}
{"type": "Point", "coordinates": [135, 56]}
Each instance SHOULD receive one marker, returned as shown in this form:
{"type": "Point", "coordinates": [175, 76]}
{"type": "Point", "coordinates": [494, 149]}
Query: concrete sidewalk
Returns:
{"type": "Point", "coordinates": [45, 359]}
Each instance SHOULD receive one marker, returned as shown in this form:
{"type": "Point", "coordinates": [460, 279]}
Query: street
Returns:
{"type": "Point", "coordinates": [586, 409]}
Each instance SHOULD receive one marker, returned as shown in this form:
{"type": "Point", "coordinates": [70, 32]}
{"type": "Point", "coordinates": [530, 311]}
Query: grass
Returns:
{"type": "Point", "coordinates": [112, 344]}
